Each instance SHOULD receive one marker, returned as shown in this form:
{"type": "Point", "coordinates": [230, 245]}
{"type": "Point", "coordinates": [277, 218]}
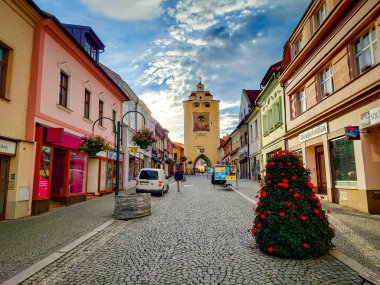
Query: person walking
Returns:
{"type": "Point", "coordinates": [178, 176]}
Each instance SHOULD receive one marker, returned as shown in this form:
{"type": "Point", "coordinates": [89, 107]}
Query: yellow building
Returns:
{"type": "Point", "coordinates": [18, 20]}
{"type": "Point", "coordinates": [201, 128]}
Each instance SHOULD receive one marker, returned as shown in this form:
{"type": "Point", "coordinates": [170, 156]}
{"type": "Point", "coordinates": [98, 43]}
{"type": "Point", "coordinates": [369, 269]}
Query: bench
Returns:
{"type": "Point", "coordinates": [369, 278]}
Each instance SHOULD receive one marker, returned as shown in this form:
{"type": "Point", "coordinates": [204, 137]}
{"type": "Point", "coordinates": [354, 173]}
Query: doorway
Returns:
{"type": "Point", "coordinates": [321, 169]}
{"type": "Point", "coordinates": [4, 174]}
{"type": "Point", "coordinates": [58, 172]}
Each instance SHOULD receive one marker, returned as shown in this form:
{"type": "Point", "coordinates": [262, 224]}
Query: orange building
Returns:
{"type": "Point", "coordinates": [332, 86]}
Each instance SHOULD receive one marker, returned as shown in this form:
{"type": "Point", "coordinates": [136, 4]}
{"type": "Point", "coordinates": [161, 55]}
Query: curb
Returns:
{"type": "Point", "coordinates": [20, 277]}
{"type": "Point", "coordinates": [336, 253]}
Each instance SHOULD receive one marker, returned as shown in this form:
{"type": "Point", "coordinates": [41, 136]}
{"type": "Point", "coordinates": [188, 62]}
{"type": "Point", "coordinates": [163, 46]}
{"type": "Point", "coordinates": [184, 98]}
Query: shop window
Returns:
{"type": "Point", "coordinates": [87, 104]}
{"type": "Point", "coordinates": [103, 175]}
{"type": "Point", "coordinates": [326, 82]}
{"type": "Point", "coordinates": [78, 173]}
{"type": "Point", "coordinates": [366, 51]}
{"type": "Point", "coordinates": [3, 70]}
{"type": "Point", "coordinates": [297, 46]}
{"type": "Point", "coordinates": [44, 173]}
{"type": "Point", "coordinates": [343, 161]}
{"type": "Point", "coordinates": [109, 176]}
{"type": "Point", "coordinates": [63, 89]}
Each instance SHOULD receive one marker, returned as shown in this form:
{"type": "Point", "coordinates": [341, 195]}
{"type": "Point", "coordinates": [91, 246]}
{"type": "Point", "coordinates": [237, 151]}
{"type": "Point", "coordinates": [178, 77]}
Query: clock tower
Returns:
{"type": "Point", "coordinates": [202, 131]}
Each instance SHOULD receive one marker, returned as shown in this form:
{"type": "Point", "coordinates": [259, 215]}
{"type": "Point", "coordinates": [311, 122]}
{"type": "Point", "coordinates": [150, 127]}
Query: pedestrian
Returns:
{"type": "Point", "coordinates": [178, 176]}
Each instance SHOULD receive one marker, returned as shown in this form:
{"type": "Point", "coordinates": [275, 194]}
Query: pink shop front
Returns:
{"type": "Point", "coordinates": [60, 176]}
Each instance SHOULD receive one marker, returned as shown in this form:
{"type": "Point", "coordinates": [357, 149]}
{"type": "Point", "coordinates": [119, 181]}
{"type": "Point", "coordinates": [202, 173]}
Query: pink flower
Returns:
{"type": "Point", "coordinates": [258, 225]}
{"type": "Point", "coordinates": [257, 213]}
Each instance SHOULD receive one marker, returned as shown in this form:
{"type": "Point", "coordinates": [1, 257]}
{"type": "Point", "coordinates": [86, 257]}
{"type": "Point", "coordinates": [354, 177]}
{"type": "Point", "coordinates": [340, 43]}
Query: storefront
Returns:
{"type": "Point", "coordinates": [342, 153]}
{"type": "Point", "coordinates": [60, 170]}
{"type": "Point", "coordinates": [102, 173]}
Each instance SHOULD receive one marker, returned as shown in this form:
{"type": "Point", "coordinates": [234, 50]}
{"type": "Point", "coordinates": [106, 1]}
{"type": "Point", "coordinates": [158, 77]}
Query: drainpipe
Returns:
{"type": "Point", "coordinates": [249, 160]}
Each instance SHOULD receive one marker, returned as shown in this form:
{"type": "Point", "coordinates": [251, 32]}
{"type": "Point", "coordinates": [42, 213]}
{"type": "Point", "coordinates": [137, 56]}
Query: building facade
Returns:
{"type": "Point", "coordinates": [17, 150]}
{"type": "Point", "coordinates": [253, 121]}
{"type": "Point", "coordinates": [235, 146]}
{"type": "Point", "coordinates": [332, 88]}
{"type": "Point", "coordinates": [201, 123]}
{"type": "Point", "coordinates": [271, 102]}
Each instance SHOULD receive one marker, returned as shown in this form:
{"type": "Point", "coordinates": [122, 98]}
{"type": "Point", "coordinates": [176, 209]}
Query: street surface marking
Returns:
{"type": "Point", "coordinates": [188, 185]}
{"type": "Point", "coordinates": [246, 197]}
{"type": "Point", "coordinates": [54, 256]}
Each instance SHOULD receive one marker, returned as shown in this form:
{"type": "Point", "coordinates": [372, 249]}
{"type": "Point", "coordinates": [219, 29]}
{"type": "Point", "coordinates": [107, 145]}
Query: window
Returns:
{"type": "Point", "coordinates": [270, 119]}
{"type": "Point", "coordinates": [196, 105]}
{"type": "Point", "coordinates": [265, 124]}
{"type": "Point", "coordinates": [78, 173]}
{"type": "Point", "coordinates": [343, 161]}
{"type": "Point", "coordinates": [276, 113]}
{"type": "Point", "coordinates": [87, 104]}
{"type": "Point", "coordinates": [3, 70]}
{"type": "Point", "coordinates": [255, 130]}
{"type": "Point", "coordinates": [298, 45]}
{"type": "Point", "coordinates": [101, 106]}
{"type": "Point", "coordinates": [63, 89]}
{"type": "Point", "coordinates": [89, 47]}
{"type": "Point", "coordinates": [207, 105]}
{"type": "Point", "coordinates": [320, 16]}
{"type": "Point", "coordinates": [114, 120]}
{"type": "Point", "coordinates": [301, 102]}
{"type": "Point", "coordinates": [326, 82]}
{"type": "Point", "coordinates": [366, 51]}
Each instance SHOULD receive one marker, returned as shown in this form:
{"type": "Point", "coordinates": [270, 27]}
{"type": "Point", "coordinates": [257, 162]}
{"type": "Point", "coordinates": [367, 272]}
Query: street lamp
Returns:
{"type": "Point", "coordinates": [118, 130]}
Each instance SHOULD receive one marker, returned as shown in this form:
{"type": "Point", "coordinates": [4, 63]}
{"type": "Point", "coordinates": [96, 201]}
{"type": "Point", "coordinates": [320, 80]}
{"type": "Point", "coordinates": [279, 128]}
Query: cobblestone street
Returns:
{"type": "Point", "coordinates": [196, 236]}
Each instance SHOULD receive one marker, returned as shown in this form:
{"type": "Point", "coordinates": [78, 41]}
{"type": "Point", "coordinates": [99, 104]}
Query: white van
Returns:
{"type": "Point", "coordinates": [152, 180]}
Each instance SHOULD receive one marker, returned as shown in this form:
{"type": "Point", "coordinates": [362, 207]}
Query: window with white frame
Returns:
{"type": "Point", "coordinates": [255, 130]}
{"type": "Point", "coordinates": [326, 82]}
{"type": "Point", "coordinates": [270, 119]}
{"type": "Point", "coordinates": [301, 101]}
{"type": "Point", "coordinates": [366, 51]}
{"type": "Point", "coordinates": [320, 16]}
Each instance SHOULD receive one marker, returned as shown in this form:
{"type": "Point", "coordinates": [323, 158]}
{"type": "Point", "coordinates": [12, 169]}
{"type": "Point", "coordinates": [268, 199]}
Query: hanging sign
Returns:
{"type": "Point", "coordinates": [133, 149]}
{"type": "Point", "coordinates": [352, 133]}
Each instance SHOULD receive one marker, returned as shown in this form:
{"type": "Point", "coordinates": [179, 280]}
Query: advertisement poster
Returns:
{"type": "Point", "coordinates": [209, 170]}
{"type": "Point", "coordinates": [231, 172]}
{"type": "Point", "coordinates": [220, 173]}
{"type": "Point", "coordinates": [43, 182]}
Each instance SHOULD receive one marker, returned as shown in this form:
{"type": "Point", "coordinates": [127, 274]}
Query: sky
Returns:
{"type": "Point", "coordinates": [162, 48]}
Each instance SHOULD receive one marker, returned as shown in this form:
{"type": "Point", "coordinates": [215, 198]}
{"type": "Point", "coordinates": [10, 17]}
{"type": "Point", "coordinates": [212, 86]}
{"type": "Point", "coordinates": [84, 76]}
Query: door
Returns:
{"type": "Point", "coordinates": [4, 174]}
{"type": "Point", "coordinates": [321, 170]}
{"type": "Point", "coordinates": [58, 172]}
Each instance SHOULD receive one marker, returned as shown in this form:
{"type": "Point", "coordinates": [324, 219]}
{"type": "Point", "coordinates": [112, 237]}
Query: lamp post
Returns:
{"type": "Point", "coordinates": [118, 130]}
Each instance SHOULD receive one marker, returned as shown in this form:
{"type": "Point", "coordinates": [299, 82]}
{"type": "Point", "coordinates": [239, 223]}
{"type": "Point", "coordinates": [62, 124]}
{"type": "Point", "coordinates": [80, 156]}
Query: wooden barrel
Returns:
{"type": "Point", "coordinates": [130, 206]}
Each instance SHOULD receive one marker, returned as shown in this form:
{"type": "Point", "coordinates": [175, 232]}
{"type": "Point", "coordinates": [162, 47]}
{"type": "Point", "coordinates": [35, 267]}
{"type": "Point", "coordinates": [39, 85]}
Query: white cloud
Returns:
{"type": "Point", "coordinates": [125, 9]}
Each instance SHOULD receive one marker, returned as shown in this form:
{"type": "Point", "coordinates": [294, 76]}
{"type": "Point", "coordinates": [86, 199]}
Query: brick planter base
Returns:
{"type": "Point", "coordinates": [130, 206]}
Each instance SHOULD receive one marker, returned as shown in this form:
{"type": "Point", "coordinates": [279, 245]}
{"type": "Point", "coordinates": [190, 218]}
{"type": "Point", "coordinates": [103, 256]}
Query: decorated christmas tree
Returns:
{"type": "Point", "coordinates": [290, 221]}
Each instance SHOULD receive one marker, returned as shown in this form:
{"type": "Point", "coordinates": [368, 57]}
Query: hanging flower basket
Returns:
{"type": "Point", "coordinates": [144, 138]}
{"type": "Point", "coordinates": [93, 144]}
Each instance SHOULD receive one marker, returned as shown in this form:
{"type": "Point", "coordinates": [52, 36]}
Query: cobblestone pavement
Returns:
{"type": "Point", "coordinates": [357, 234]}
{"type": "Point", "coordinates": [196, 236]}
{"type": "Point", "coordinates": [28, 240]}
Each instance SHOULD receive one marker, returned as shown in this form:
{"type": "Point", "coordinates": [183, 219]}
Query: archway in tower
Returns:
{"type": "Point", "coordinates": [201, 163]}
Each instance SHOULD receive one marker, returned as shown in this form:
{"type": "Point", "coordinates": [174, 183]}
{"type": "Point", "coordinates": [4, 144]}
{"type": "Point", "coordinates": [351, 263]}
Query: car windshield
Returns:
{"type": "Point", "coordinates": [149, 174]}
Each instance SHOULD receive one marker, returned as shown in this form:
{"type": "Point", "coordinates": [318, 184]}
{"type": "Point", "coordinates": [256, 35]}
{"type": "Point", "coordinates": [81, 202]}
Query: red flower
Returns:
{"type": "Point", "coordinates": [254, 231]}
{"type": "Point", "coordinates": [269, 182]}
{"type": "Point", "coordinates": [296, 195]}
{"type": "Point", "coordinates": [319, 204]}
{"type": "Point", "coordinates": [320, 217]}
{"type": "Point", "coordinates": [267, 175]}
{"type": "Point", "coordinates": [283, 184]}
{"type": "Point", "coordinates": [263, 216]}
{"type": "Point", "coordinates": [270, 249]}
{"type": "Point", "coordinates": [258, 225]}
{"type": "Point", "coordinates": [263, 194]}
{"type": "Point", "coordinates": [269, 212]}
{"type": "Point", "coordinates": [301, 164]}
{"type": "Point", "coordinates": [303, 218]}
{"type": "Point", "coordinates": [314, 198]}
{"type": "Point", "coordinates": [285, 180]}
{"type": "Point", "coordinates": [289, 163]}
{"type": "Point", "coordinates": [305, 245]}
{"type": "Point", "coordinates": [328, 211]}
{"type": "Point", "coordinates": [259, 203]}
{"type": "Point", "coordinates": [310, 185]}
{"type": "Point", "coordinates": [257, 196]}
{"type": "Point", "coordinates": [257, 213]}
{"type": "Point", "coordinates": [316, 211]}
{"type": "Point", "coordinates": [282, 214]}
{"type": "Point", "coordinates": [294, 177]}
{"type": "Point", "coordinates": [289, 204]}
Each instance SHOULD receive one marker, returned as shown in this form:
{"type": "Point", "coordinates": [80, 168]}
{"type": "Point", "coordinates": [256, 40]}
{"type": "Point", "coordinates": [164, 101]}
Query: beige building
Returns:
{"type": "Point", "coordinates": [201, 114]}
{"type": "Point", "coordinates": [332, 88]}
{"type": "Point", "coordinates": [235, 141]}
{"type": "Point", "coordinates": [16, 152]}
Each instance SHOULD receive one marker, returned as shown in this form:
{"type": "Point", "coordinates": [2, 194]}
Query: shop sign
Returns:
{"type": "Point", "coordinates": [209, 170]}
{"type": "Point", "coordinates": [352, 133]}
{"type": "Point", "coordinates": [370, 118]}
{"type": "Point", "coordinates": [314, 132]}
{"type": "Point", "coordinates": [113, 155]}
{"type": "Point", "coordinates": [7, 147]}
{"type": "Point", "coordinates": [133, 149]}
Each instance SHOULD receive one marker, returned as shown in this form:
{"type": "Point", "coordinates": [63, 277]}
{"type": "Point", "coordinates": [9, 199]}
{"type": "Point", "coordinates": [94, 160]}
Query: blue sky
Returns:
{"type": "Point", "coordinates": [162, 47]}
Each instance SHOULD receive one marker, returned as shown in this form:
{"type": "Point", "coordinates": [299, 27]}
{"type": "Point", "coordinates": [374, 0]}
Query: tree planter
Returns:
{"type": "Point", "coordinates": [130, 206]}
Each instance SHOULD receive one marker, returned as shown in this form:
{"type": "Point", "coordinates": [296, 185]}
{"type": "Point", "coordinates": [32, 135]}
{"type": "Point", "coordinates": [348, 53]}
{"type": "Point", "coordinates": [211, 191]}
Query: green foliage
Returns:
{"type": "Point", "coordinates": [144, 136]}
{"type": "Point", "coordinates": [290, 221]}
{"type": "Point", "coordinates": [94, 142]}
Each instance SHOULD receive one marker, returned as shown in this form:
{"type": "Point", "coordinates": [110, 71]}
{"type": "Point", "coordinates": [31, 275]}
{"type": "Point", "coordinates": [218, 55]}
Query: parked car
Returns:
{"type": "Point", "coordinates": [152, 180]}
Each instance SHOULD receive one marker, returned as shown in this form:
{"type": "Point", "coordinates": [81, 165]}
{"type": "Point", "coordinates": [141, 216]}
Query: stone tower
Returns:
{"type": "Point", "coordinates": [201, 127]}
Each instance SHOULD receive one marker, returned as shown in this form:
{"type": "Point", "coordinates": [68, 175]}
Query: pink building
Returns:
{"type": "Point", "coordinates": [332, 87]}
{"type": "Point", "coordinates": [68, 93]}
